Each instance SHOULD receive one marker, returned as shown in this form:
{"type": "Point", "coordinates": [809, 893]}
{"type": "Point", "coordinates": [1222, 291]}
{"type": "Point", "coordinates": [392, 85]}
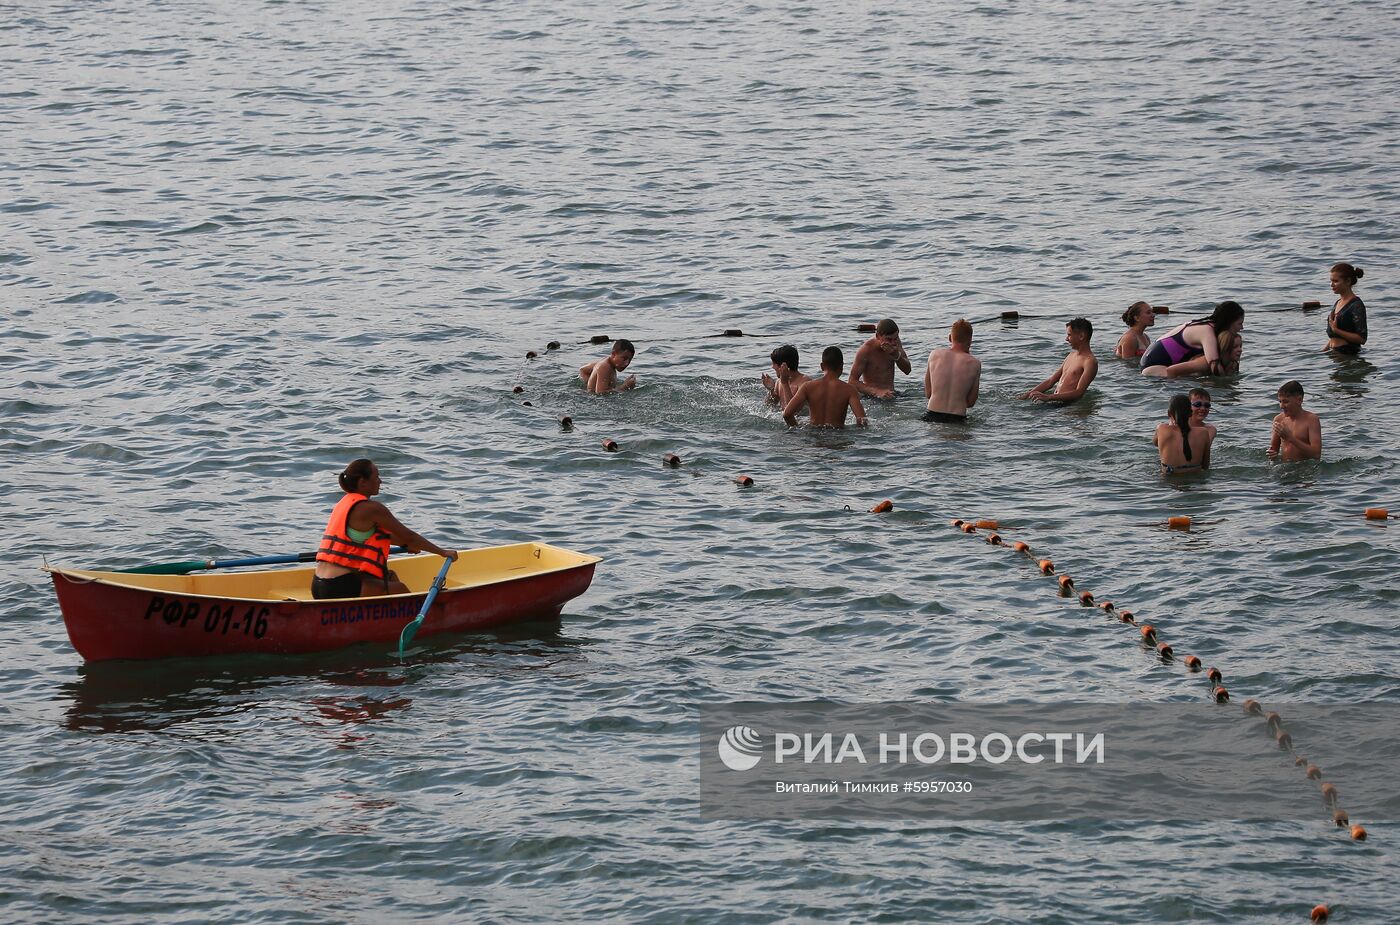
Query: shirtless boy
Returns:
{"type": "Point", "coordinates": [601, 376]}
{"type": "Point", "coordinates": [952, 377]}
{"type": "Point", "coordinates": [872, 372]}
{"type": "Point", "coordinates": [1297, 433]}
{"type": "Point", "coordinates": [1200, 407]}
{"type": "Point", "coordinates": [828, 397]}
{"type": "Point", "coordinates": [1076, 372]}
{"type": "Point", "coordinates": [788, 381]}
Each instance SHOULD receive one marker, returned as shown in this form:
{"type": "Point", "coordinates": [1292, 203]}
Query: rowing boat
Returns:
{"type": "Point", "coordinates": [123, 615]}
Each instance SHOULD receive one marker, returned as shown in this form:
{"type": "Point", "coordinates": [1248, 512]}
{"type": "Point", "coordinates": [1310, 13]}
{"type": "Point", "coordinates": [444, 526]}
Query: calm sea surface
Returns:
{"type": "Point", "coordinates": [242, 244]}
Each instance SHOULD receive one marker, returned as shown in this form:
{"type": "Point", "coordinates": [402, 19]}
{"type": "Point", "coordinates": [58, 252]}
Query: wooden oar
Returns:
{"type": "Point", "coordinates": [412, 628]}
{"type": "Point", "coordinates": [195, 565]}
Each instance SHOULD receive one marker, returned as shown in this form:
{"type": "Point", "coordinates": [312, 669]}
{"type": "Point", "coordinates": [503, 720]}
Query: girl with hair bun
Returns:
{"type": "Point", "coordinates": [1135, 342]}
{"type": "Point", "coordinates": [1181, 447]}
{"type": "Point", "coordinates": [1346, 325]}
{"type": "Point", "coordinates": [353, 559]}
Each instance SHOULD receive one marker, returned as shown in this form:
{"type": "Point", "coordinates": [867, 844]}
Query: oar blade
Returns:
{"type": "Point", "coordinates": [167, 568]}
{"type": "Point", "coordinates": [411, 629]}
{"type": "Point", "coordinates": [408, 633]}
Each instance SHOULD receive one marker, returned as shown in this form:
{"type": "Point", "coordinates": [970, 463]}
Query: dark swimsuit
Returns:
{"type": "Point", "coordinates": [943, 417]}
{"type": "Point", "coordinates": [1351, 318]}
{"type": "Point", "coordinates": [347, 585]}
{"type": "Point", "coordinates": [1172, 349]}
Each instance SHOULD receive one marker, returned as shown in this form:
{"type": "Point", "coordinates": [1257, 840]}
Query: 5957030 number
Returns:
{"type": "Point", "coordinates": [218, 618]}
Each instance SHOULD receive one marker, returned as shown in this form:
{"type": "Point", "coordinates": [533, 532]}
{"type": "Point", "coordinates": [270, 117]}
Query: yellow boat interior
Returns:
{"type": "Point", "coordinates": [487, 565]}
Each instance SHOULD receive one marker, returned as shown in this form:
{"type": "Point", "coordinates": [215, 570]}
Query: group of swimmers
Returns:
{"type": "Point", "coordinates": [353, 558]}
{"type": "Point", "coordinates": [1209, 346]}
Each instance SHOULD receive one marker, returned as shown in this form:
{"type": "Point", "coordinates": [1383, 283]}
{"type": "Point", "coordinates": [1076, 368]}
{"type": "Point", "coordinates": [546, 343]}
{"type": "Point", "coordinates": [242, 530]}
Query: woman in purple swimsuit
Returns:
{"type": "Point", "coordinates": [1194, 348]}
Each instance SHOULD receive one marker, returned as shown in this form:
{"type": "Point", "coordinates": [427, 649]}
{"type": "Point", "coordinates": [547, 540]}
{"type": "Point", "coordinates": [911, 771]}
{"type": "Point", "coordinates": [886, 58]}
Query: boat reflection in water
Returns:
{"type": "Point", "coordinates": [205, 697]}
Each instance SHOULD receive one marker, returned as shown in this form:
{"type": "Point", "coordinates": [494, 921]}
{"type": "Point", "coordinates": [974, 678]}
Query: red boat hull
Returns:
{"type": "Point", "coordinates": [110, 621]}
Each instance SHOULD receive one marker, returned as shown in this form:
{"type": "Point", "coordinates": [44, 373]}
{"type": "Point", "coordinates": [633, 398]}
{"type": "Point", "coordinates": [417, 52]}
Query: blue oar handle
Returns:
{"type": "Point", "coordinates": [411, 629]}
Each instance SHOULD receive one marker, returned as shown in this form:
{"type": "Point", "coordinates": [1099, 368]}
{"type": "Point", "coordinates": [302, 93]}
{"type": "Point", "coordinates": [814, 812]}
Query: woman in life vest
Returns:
{"type": "Point", "coordinates": [353, 560]}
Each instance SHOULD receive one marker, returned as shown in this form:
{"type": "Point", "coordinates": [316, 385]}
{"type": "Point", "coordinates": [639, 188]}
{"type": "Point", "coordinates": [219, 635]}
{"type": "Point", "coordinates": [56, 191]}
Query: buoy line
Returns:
{"type": "Point", "coordinates": [1147, 632]}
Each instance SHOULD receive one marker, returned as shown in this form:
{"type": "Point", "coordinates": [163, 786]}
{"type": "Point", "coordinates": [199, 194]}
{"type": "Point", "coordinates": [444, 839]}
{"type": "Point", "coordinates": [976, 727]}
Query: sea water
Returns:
{"type": "Point", "coordinates": [244, 244]}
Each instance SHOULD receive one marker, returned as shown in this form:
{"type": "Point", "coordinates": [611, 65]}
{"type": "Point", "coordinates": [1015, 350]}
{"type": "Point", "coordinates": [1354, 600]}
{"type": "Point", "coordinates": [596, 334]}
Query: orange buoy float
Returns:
{"type": "Point", "coordinates": [884, 507]}
{"type": "Point", "coordinates": [1313, 772]}
{"type": "Point", "coordinates": [1214, 675]}
{"type": "Point", "coordinates": [1311, 305]}
{"type": "Point", "coordinates": [530, 354]}
{"type": "Point", "coordinates": [1340, 819]}
{"type": "Point", "coordinates": [1047, 567]}
{"type": "Point", "coordinates": [733, 332]}
{"type": "Point", "coordinates": [1320, 913]}
{"type": "Point", "coordinates": [1275, 723]}
{"type": "Point", "coordinates": [1086, 598]}
{"type": "Point", "coordinates": [1299, 761]}
{"type": "Point", "coordinates": [518, 389]}
{"type": "Point", "coordinates": [1161, 309]}
{"type": "Point", "coordinates": [1066, 583]}
{"type": "Point", "coordinates": [986, 525]}
{"type": "Point", "coordinates": [1126, 616]}
{"type": "Point", "coordinates": [1164, 650]}
{"type": "Point", "coordinates": [599, 339]}
{"type": "Point", "coordinates": [610, 446]}
{"type": "Point", "coordinates": [1010, 316]}
{"type": "Point", "coordinates": [1284, 740]}
{"type": "Point", "coordinates": [1021, 547]}
{"type": "Point", "coordinates": [552, 345]}
{"type": "Point", "coordinates": [1106, 605]}
{"type": "Point", "coordinates": [1358, 833]}
{"type": "Point", "coordinates": [969, 528]}
{"type": "Point", "coordinates": [566, 422]}
{"type": "Point", "coordinates": [1252, 708]}
{"type": "Point", "coordinates": [1179, 523]}
{"type": "Point", "coordinates": [994, 539]}
{"type": "Point", "coordinates": [1222, 695]}
{"type": "Point", "coordinates": [743, 480]}
{"type": "Point", "coordinates": [957, 522]}
{"type": "Point", "coordinates": [528, 404]}
{"type": "Point", "coordinates": [1377, 513]}
{"type": "Point", "coordinates": [1329, 792]}
{"type": "Point", "coordinates": [1192, 663]}
{"type": "Point", "coordinates": [1149, 633]}
{"type": "Point", "coordinates": [672, 460]}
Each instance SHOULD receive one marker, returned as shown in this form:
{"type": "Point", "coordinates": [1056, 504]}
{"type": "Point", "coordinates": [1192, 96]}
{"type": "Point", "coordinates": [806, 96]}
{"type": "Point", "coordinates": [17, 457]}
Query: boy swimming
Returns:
{"type": "Point", "coordinates": [601, 376]}
{"type": "Point", "coordinates": [828, 397]}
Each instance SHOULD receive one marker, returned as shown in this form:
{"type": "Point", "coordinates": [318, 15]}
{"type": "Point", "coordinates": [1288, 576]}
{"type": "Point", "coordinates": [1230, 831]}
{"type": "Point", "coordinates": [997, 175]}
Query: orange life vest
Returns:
{"type": "Point", "coordinates": [370, 557]}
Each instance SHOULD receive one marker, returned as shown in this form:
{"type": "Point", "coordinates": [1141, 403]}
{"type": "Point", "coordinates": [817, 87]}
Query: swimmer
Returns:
{"type": "Point", "coordinates": [1181, 447]}
{"type": "Point", "coordinates": [1297, 433]}
{"type": "Point", "coordinates": [1135, 342]}
{"type": "Point", "coordinates": [1231, 345]}
{"type": "Point", "coordinates": [828, 397]}
{"type": "Point", "coordinates": [1076, 372]}
{"type": "Point", "coordinates": [872, 371]}
{"type": "Point", "coordinates": [788, 381]}
{"type": "Point", "coordinates": [601, 376]}
{"type": "Point", "coordinates": [1346, 325]}
{"type": "Point", "coordinates": [1200, 410]}
{"type": "Point", "coordinates": [1193, 349]}
{"type": "Point", "coordinates": [952, 377]}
